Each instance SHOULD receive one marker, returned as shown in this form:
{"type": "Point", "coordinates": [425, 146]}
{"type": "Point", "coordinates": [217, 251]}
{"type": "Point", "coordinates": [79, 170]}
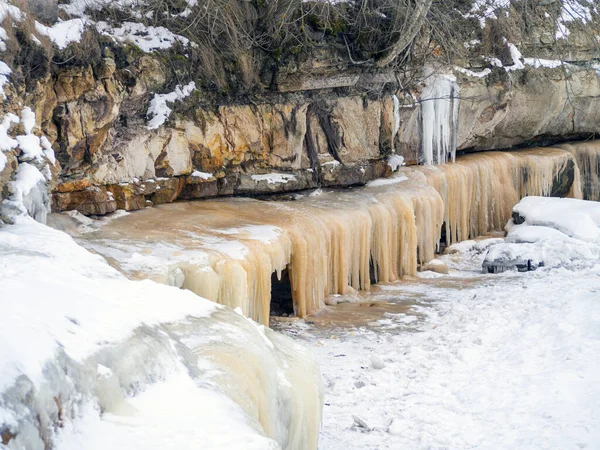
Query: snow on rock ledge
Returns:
{"type": "Point", "coordinates": [92, 360]}
{"type": "Point", "coordinates": [549, 232]}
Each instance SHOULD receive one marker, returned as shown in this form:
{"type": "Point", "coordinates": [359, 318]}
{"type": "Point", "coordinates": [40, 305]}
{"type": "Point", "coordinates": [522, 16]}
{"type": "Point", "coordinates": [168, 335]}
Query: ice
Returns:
{"type": "Point", "coordinates": [395, 162]}
{"type": "Point", "coordinates": [92, 360]}
{"type": "Point", "coordinates": [158, 109]}
{"type": "Point", "coordinates": [396, 103]}
{"type": "Point", "coordinates": [387, 181]}
{"type": "Point", "coordinates": [439, 118]}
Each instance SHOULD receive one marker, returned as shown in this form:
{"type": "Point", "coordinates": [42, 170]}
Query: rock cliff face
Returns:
{"type": "Point", "coordinates": [323, 124]}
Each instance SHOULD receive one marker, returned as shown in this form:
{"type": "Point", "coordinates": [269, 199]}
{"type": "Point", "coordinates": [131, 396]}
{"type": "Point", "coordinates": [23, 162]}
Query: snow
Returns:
{"type": "Point", "coordinates": [202, 175]}
{"type": "Point", "coordinates": [78, 7]}
{"type": "Point", "coordinates": [63, 33]}
{"type": "Point", "coordinates": [481, 74]}
{"type": "Point", "coordinates": [45, 276]}
{"type": "Point", "coordinates": [516, 56]}
{"type": "Point", "coordinates": [274, 178]}
{"type": "Point", "coordinates": [387, 181]}
{"type": "Point", "coordinates": [6, 142]}
{"type": "Point", "coordinates": [147, 38]}
{"type": "Point", "coordinates": [4, 73]}
{"type": "Point", "coordinates": [159, 111]}
{"type": "Point", "coordinates": [163, 421]}
{"type": "Point", "coordinates": [579, 219]}
{"type": "Point", "coordinates": [556, 232]}
{"type": "Point", "coordinates": [485, 9]}
{"type": "Point", "coordinates": [488, 362]}
{"type": "Point", "coordinates": [572, 10]}
{"type": "Point", "coordinates": [547, 63]}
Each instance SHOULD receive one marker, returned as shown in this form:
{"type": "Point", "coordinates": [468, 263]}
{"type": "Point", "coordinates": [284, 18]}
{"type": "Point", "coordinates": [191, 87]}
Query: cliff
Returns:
{"type": "Point", "coordinates": [133, 122]}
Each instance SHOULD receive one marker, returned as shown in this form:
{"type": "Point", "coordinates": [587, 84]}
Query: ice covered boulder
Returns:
{"type": "Point", "coordinates": [90, 360]}
{"type": "Point", "coordinates": [548, 232]}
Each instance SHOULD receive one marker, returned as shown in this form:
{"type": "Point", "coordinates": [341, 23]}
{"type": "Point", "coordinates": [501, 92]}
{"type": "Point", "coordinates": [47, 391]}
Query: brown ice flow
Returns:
{"type": "Point", "coordinates": [336, 243]}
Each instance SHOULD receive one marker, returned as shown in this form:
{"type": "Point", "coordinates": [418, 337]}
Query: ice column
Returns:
{"type": "Point", "coordinates": [439, 119]}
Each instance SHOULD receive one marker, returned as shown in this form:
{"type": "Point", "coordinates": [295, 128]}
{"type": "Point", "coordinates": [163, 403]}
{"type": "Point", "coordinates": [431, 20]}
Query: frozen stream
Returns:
{"type": "Point", "coordinates": [468, 361]}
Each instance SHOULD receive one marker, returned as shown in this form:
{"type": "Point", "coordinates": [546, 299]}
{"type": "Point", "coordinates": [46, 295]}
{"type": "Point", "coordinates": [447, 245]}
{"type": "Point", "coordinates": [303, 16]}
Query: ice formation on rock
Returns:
{"type": "Point", "coordinates": [587, 157]}
{"type": "Point", "coordinates": [334, 243]}
{"type": "Point", "coordinates": [439, 119]}
{"type": "Point", "coordinates": [480, 190]}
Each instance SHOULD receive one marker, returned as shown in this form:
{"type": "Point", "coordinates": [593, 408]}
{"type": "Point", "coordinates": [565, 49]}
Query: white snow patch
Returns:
{"type": "Point", "coordinates": [274, 178]}
{"type": "Point", "coordinates": [63, 33]}
{"type": "Point", "coordinates": [147, 38]}
{"type": "Point", "coordinates": [202, 175]}
{"type": "Point", "coordinates": [45, 278]}
{"type": "Point", "coordinates": [516, 56]}
{"type": "Point", "coordinates": [556, 232]}
{"type": "Point", "coordinates": [159, 111]}
{"type": "Point", "coordinates": [481, 74]}
{"type": "Point", "coordinates": [4, 73]}
{"type": "Point", "coordinates": [546, 63]}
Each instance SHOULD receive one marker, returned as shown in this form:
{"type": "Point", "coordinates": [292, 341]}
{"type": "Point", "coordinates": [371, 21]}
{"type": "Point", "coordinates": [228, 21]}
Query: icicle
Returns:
{"type": "Point", "coordinates": [479, 190]}
{"type": "Point", "coordinates": [334, 243]}
{"type": "Point", "coordinates": [587, 156]}
{"type": "Point", "coordinates": [439, 119]}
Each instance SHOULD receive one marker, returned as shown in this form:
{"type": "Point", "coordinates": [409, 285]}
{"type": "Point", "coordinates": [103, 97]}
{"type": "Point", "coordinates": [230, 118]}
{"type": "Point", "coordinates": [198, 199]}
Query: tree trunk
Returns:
{"type": "Point", "coordinates": [407, 35]}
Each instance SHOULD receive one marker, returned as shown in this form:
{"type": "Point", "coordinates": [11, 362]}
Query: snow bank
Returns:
{"type": "Point", "coordinates": [92, 360]}
{"type": "Point", "coordinates": [548, 232]}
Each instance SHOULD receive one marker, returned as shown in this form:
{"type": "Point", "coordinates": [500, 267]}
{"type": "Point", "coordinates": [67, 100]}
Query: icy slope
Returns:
{"type": "Point", "coordinates": [93, 360]}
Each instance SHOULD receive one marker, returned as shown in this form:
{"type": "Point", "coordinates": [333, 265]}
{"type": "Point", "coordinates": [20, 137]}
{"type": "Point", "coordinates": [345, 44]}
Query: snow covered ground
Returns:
{"type": "Point", "coordinates": [508, 361]}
